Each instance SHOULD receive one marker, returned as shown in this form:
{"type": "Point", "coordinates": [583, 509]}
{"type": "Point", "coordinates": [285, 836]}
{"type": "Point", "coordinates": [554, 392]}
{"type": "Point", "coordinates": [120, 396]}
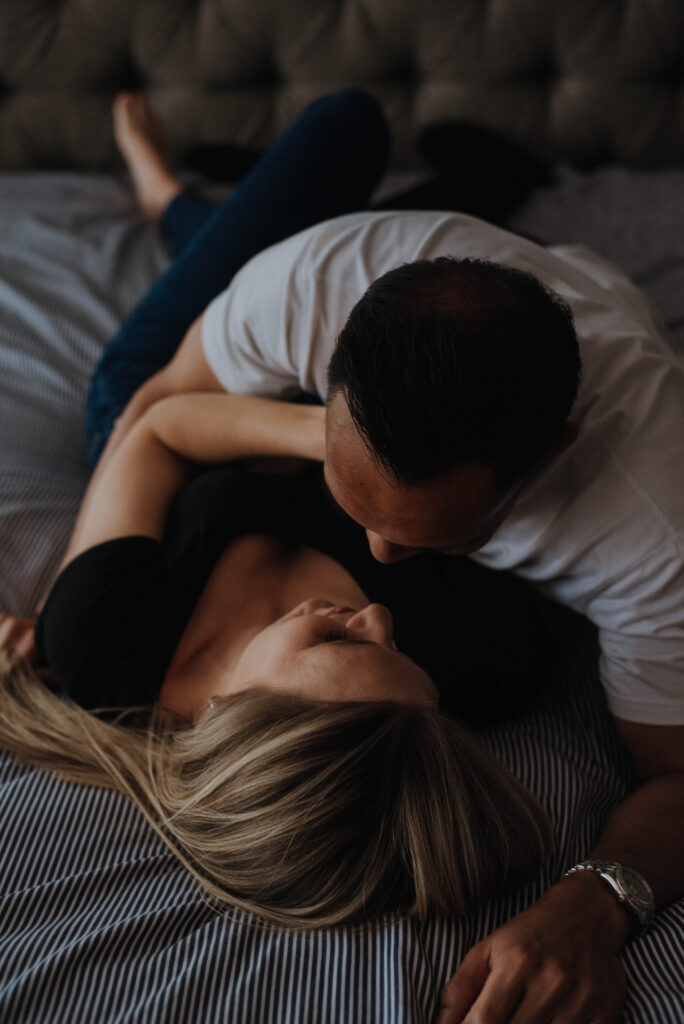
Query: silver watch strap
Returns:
{"type": "Point", "coordinates": [639, 902]}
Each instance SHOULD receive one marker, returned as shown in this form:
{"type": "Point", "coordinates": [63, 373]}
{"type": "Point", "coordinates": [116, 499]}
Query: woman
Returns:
{"type": "Point", "coordinates": [295, 758]}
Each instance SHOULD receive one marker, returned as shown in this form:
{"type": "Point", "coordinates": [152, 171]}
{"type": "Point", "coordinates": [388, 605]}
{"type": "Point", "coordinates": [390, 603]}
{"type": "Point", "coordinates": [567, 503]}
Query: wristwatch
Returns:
{"type": "Point", "coordinates": [629, 887]}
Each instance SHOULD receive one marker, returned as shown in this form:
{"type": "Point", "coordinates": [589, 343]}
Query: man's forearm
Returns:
{"type": "Point", "coordinates": [646, 832]}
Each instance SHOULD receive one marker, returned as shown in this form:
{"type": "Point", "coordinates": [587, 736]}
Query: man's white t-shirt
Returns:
{"type": "Point", "coordinates": [602, 528]}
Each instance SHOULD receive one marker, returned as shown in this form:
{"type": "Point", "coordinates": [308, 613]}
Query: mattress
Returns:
{"type": "Point", "coordinates": [98, 921]}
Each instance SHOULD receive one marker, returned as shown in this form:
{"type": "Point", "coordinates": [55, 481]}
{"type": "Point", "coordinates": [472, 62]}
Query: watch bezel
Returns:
{"type": "Point", "coordinates": [629, 881]}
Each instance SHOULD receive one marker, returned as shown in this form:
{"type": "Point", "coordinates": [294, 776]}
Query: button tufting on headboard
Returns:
{"type": "Point", "coordinates": [583, 80]}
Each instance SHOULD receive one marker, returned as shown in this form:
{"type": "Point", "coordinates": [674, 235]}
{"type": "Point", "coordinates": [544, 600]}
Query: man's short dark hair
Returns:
{"type": "Point", "coordinates": [446, 361]}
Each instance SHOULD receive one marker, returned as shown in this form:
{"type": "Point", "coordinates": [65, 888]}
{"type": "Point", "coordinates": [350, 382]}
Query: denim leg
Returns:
{"type": "Point", "coordinates": [326, 164]}
{"type": "Point", "coordinates": [183, 218]}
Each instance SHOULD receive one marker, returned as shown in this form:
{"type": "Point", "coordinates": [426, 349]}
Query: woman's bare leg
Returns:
{"type": "Point", "coordinates": [140, 139]}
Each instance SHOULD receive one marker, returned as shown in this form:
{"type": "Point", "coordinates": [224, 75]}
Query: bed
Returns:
{"type": "Point", "coordinates": [98, 922]}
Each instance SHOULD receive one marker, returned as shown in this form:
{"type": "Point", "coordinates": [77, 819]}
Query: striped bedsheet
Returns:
{"type": "Point", "coordinates": [98, 922]}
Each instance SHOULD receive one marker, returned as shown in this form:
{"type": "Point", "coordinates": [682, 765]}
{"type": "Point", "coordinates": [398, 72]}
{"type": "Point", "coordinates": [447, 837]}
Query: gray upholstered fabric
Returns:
{"type": "Point", "coordinates": [591, 81]}
{"type": "Point", "coordinates": [635, 219]}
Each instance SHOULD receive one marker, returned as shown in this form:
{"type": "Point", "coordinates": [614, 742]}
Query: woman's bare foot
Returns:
{"type": "Point", "coordinates": [138, 134]}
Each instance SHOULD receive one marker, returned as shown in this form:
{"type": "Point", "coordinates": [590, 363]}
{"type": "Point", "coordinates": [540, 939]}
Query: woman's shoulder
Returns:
{"type": "Point", "coordinates": [101, 612]}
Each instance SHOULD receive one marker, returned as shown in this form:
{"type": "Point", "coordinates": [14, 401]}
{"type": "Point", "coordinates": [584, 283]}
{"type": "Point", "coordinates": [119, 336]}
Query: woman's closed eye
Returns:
{"type": "Point", "coordinates": [332, 635]}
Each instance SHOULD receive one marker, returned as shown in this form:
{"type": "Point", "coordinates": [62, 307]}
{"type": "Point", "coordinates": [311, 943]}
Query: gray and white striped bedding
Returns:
{"type": "Point", "coordinates": [98, 922]}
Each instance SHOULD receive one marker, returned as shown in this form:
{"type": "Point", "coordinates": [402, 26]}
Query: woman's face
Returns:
{"type": "Point", "coordinates": [326, 652]}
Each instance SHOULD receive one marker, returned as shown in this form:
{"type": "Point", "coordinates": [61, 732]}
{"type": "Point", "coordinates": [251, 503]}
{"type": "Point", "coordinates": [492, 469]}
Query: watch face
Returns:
{"type": "Point", "coordinates": [635, 886]}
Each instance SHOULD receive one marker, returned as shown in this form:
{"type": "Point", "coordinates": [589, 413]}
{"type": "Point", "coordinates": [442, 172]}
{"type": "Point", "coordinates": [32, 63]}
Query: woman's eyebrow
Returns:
{"type": "Point", "coordinates": [372, 643]}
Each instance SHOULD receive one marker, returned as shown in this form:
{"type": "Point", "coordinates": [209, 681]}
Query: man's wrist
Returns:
{"type": "Point", "coordinates": [587, 891]}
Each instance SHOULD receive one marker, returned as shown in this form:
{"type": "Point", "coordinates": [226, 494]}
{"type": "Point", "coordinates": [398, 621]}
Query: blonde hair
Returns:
{"type": "Point", "coordinates": [305, 813]}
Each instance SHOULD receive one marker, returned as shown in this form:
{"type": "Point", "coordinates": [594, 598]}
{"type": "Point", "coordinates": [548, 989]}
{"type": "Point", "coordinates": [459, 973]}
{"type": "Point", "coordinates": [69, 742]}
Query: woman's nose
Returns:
{"type": "Point", "coordinates": [374, 623]}
{"type": "Point", "coordinates": [383, 551]}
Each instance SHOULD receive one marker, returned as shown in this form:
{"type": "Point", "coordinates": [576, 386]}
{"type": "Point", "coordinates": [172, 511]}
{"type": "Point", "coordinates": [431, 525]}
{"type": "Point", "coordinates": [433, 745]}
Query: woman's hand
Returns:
{"type": "Point", "coordinates": [17, 638]}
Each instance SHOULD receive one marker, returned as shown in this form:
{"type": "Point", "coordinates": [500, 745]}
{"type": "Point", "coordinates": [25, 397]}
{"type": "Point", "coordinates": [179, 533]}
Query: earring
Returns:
{"type": "Point", "coordinates": [212, 703]}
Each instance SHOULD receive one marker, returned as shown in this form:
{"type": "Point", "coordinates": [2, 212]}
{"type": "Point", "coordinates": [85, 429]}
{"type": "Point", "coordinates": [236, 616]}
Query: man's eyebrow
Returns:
{"type": "Point", "coordinates": [330, 498]}
{"type": "Point", "coordinates": [439, 548]}
{"type": "Point", "coordinates": [336, 505]}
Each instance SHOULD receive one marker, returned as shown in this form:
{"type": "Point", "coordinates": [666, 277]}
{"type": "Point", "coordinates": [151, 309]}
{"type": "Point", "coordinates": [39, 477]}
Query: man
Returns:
{"type": "Point", "coordinates": [479, 446]}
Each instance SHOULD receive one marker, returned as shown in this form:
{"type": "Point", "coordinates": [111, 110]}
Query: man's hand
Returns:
{"type": "Point", "coordinates": [555, 963]}
{"type": "Point", "coordinates": [17, 638]}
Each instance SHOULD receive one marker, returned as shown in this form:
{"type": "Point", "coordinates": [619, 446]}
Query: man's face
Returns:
{"type": "Point", "coordinates": [456, 513]}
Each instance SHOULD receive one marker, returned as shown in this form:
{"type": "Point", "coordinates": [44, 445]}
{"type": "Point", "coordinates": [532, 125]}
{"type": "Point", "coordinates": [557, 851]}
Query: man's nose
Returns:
{"type": "Point", "coordinates": [385, 552]}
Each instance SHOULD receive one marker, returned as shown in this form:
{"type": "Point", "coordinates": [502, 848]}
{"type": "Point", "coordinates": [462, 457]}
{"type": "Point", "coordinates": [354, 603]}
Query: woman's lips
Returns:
{"type": "Point", "coordinates": [339, 609]}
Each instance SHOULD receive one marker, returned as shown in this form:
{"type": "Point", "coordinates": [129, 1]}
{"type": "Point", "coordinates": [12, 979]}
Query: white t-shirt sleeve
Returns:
{"type": "Point", "coordinates": [641, 633]}
{"type": "Point", "coordinates": [247, 331]}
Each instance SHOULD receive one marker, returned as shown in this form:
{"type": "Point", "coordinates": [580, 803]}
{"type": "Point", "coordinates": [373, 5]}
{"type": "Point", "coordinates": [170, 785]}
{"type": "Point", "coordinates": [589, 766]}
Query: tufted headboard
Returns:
{"type": "Point", "coordinates": [589, 81]}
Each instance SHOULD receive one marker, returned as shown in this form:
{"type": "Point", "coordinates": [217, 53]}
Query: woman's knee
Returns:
{"type": "Point", "coordinates": [357, 103]}
{"type": "Point", "coordinates": [361, 111]}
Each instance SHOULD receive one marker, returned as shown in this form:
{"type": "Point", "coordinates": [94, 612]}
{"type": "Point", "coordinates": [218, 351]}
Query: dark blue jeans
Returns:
{"type": "Point", "coordinates": [326, 164]}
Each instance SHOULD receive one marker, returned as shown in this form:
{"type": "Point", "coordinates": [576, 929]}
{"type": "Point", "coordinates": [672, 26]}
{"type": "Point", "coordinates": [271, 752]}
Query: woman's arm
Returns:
{"type": "Point", "coordinates": [132, 494]}
{"type": "Point", "coordinates": [188, 371]}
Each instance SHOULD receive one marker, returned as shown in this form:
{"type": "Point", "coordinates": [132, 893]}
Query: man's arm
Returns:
{"type": "Point", "coordinates": [558, 959]}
